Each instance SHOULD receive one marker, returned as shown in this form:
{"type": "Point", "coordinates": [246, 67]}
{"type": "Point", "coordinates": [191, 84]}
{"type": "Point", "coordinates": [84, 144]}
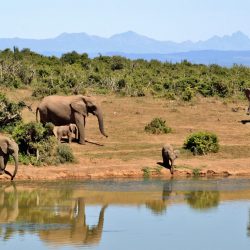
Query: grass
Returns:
{"type": "Point", "coordinates": [196, 172]}
{"type": "Point", "coordinates": [151, 171]}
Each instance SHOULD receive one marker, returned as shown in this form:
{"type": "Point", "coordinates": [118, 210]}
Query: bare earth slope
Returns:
{"type": "Point", "coordinates": [130, 152]}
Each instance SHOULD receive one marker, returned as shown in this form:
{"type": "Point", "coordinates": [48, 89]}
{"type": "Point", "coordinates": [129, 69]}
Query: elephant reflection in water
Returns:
{"type": "Point", "coordinates": [9, 209]}
{"type": "Point", "coordinates": [159, 207]}
{"type": "Point", "coordinates": [78, 232]}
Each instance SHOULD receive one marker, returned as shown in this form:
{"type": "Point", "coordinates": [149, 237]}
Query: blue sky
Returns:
{"type": "Point", "coordinates": [176, 20]}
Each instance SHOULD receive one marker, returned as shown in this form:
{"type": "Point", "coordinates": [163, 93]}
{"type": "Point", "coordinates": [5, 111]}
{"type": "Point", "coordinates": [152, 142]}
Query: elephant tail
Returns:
{"type": "Point", "coordinates": [37, 109]}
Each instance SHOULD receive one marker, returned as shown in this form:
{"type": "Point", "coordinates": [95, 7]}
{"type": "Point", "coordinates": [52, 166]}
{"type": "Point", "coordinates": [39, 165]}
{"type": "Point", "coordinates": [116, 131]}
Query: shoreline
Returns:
{"type": "Point", "coordinates": [124, 170]}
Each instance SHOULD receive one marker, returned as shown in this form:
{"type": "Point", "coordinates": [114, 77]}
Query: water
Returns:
{"type": "Point", "coordinates": [152, 214]}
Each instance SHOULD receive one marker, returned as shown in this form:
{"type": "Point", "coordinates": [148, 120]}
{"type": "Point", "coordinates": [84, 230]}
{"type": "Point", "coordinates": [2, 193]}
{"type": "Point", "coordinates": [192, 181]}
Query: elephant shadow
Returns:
{"type": "Point", "coordinates": [94, 143]}
{"type": "Point", "coordinates": [245, 121]}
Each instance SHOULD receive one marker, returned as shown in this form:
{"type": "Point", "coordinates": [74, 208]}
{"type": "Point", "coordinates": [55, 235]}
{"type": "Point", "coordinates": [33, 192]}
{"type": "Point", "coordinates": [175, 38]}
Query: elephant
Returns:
{"type": "Point", "coordinates": [247, 93]}
{"type": "Point", "coordinates": [9, 208]}
{"type": "Point", "coordinates": [8, 147]}
{"type": "Point", "coordinates": [168, 156]}
{"type": "Point", "coordinates": [67, 130]}
{"type": "Point", "coordinates": [78, 232]}
{"type": "Point", "coordinates": [63, 110]}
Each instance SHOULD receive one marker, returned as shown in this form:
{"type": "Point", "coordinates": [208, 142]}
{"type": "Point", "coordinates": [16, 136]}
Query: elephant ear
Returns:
{"type": "Point", "coordinates": [80, 107]}
{"type": "Point", "coordinates": [4, 147]}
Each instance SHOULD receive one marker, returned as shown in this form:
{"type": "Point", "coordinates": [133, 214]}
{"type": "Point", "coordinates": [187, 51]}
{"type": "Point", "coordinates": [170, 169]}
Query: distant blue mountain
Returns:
{"type": "Point", "coordinates": [223, 58]}
{"type": "Point", "coordinates": [224, 50]}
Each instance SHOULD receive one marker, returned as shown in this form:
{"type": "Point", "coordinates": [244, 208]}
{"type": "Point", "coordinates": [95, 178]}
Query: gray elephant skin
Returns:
{"type": "Point", "coordinates": [247, 93]}
{"type": "Point", "coordinates": [168, 156]}
{"type": "Point", "coordinates": [8, 147]}
{"type": "Point", "coordinates": [63, 110]}
{"type": "Point", "coordinates": [67, 130]}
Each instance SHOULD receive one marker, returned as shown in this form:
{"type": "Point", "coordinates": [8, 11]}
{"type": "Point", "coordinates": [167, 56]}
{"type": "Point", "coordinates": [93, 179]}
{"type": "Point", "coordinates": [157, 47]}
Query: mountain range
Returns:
{"type": "Point", "coordinates": [225, 50]}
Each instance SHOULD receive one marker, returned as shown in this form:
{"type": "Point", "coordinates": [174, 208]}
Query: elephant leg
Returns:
{"type": "Point", "coordinates": [171, 166]}
{"type": "Point", "coordinates": [59, 137]}
{"type": "Point", "coordinates": [8, 173]}
{"type": "Point", "coordinates": [3, 163]}
{"type": "Point", "coordinates": [70, 135]}
{"type": "Point", "coordinates": [79, 120]}
{"type": "Point", "coordinates": [2, 166]}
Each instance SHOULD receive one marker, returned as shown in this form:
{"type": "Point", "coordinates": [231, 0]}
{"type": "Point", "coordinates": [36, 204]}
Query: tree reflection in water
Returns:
{"type": "Point", "coordinates": [203, 199]}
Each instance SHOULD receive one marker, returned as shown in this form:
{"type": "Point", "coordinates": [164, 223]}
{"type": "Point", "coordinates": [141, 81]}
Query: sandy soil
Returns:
{"type": "Point", "coordinates": [130, 152]}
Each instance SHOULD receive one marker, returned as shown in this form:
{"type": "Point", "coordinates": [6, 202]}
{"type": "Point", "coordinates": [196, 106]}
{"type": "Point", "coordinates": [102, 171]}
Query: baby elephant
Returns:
{"type": "Point", "coordinates": [67, 130]}
{"type": "Point", "coordinates": [168, 157]}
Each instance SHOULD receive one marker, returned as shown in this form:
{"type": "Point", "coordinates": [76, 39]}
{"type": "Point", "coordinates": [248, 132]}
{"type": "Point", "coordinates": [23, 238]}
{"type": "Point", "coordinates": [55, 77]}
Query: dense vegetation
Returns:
{"type": "Point", "coordinates": [75, 73]}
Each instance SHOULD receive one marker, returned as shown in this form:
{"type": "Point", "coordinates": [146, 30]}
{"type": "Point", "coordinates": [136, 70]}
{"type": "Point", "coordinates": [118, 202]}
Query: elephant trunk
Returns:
{"type": "Point", "coordinates": [15, 156]}
{"type": "Point", "coordinates": [99, 116]}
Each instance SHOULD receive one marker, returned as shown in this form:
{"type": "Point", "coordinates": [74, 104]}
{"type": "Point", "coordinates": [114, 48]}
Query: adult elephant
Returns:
{"type": "Point", "coordinates": [8, 147]}
{"type": "Point", "coordinates": [63, 110]}
{"type": "Point", "coordinates": [247, 93]}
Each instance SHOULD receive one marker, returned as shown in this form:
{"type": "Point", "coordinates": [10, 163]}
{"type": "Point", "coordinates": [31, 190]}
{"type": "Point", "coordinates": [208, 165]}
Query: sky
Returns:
{"type": "Point", "coordinates": [175, 20]}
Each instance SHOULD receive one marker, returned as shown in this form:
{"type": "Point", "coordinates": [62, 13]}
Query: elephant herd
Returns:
{"type": "Point", "coordinates": [69, 114]}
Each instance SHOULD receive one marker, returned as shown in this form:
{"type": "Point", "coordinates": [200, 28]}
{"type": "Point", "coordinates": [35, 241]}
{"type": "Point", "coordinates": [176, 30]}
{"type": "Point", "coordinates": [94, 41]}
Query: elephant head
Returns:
{"type": "Point", "coordinates": [8, 147]}
{"type": "Point", "coordinates": [247, 93]}
{"type": "Point", "coordinates": [73, 129]}
{"type": "Point", "coordinates": [87, 105]}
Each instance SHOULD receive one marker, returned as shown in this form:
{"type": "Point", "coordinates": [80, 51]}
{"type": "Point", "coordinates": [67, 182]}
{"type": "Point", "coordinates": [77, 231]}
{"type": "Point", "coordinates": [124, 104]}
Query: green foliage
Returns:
{"type": "Point", "coordinates": [28, 136]}
{"type": "Point", "coordinates": [146, 172]}
{"type": "Point", "coordinates": [202, 143]}
{"type": "Point", "coordinates": [74, 72]}
{"type": "Point", "coordinates": [187, 94]}
{"type": "Point", "coordinates": [38, 146]}
{"type": "Point", "coordinates": [196, 172]}
{"type": "Point", "coordinates": [10, 113]}
{"type": "Point", "coordinates": [157, 126]}
{"type": "Point", "coordinates": [65, 153]}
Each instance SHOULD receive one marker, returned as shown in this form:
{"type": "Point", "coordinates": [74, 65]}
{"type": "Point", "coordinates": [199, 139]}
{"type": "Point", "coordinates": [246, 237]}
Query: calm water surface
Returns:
{"type": "Point", "coordinates": [151, 214]}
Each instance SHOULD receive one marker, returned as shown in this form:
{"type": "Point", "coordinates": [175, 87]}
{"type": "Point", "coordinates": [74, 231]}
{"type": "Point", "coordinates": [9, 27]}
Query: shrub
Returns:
{"type": "Point", "coordinates": [10, 113]}
{"type": "Point", "coordinates": [65, 153]}
{"type": "Point", "coordinates": [202, 143]}
{"type": "Point", "coordinates": [28, 135]}
{"type": "Point", "coordinates": [38, 146]}
{"type": "Point", "coordinates": [187, 94]}
{"type": "Point", "coordinates": [157, 126]}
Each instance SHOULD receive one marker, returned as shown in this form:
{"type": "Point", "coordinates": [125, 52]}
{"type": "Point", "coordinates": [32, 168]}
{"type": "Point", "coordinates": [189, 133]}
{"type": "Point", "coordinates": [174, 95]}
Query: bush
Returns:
{"type": "Point", "coordinates": [202, 143]}
{"type": "Point", "coordinates": [38, 146]}
{"type": "Point", "coordinates": [10, 113]}
{"type": "Point", "coordinates": [187, 94]}
{"type": "Point", "coordinates": [28, 135]}
{"type": "Point", "coordinates": [157, 126]}
{"type": "Point", "coordinates": [65, 153]}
